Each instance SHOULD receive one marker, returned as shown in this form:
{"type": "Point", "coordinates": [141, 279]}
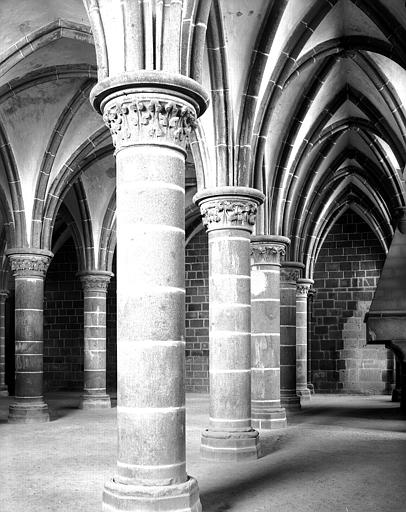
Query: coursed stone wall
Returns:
{"type": "Point", "coordinates": [197, 314]}
{"type": "Point", "coordinates": [346, 274]}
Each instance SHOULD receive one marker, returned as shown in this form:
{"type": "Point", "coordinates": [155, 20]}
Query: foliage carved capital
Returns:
{"type": "Point", "coordinates": [93, 282]}
{"type": "Point", "coordinates": [27, 265]}
{"type": "Point", "coordinates": [136, 119]}
{"type": "Point", "coordinates": [289, 275]}
{"type": "Point", "coordinates": [267, 253]}
{"type": "Point", "coordinates": [229, 213]}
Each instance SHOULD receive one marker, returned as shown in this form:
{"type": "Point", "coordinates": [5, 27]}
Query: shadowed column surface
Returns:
{"type": "Point", "coordinates": [302, 290]}
{"type": "Point", "coordinates": [290, 273]}
{"type": "Point", "coordinates": [266, 253]}
{"type": "Point", "coordinates": [3, 386]}
{"type": "Point", "coordinates": [229, 215]}
{"type": "Point", "coordinates": [95, 284]}
{"type": "Point", "coordinates": [29, 268]}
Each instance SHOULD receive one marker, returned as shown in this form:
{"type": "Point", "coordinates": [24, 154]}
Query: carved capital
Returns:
{"type": "Point", "coordinates": [289, 275]}
{"type": "Point", "coordinates": [220, 213]}
{"type": "Point", "coordinates": [137, 118]}
{"type": "Point", "coordinates": [264, 253]}
{"type": "Point", "coordinates": [3, 295]}
{"type": "Point", "coordinates": [95, 281]}
{"type": "Point", "coordinates": [26, 265]}
{"type": "Point", "coordinates": [303, 287]}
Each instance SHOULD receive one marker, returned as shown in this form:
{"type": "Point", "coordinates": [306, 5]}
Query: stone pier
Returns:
{"type": "Point", "coordinates": [3, 386]}
{"type": "Point", "coordinates": [290, 273]}
{"type": "Point", "coordinates": [95, 284]}
{"type": "Point", "coordinates": [29, 268]}
{"type": "Point", "coordinates": [229, 216]}
{"type": "Point", "coordinates": [302, 290]}
{"type": "Point", "coordinates": [266, 253]}
{"type": "Point", "coordinates": [150, 126]}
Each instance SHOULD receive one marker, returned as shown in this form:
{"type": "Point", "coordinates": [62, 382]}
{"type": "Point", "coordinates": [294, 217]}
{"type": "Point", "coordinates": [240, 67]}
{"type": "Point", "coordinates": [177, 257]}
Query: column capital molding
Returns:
{"type": "Point", "coordinates": [29, 262]}
{"type": "Point", "coordinates": [303, 287]}
{"type": "Point", "coordinates": [229, 207]}
{"type": "Point", "coordinates": [269, 249]}
{"type": "Point", "coordinates": [3, 295]}
{"type": "Point", "coordinates": [290, 271]}
{"type": "Point", "coordinates": [141, 118]}
{"type": "Point", "coordinates": [95, 280]}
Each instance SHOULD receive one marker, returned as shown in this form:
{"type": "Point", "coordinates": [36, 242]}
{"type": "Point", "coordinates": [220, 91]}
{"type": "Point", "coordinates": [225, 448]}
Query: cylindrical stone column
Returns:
{"type": "Point", "coordinates": [266, 253]}
{"type": "Point", "coordinates": [3, 386]}
{"type": "Point", "coordinates": [29, 268]}
{"type": "Point", "coordinates": [95, 284]}
{"type": "Point", "coordinates": [396, 392]}
{"type": "Point", "coordinates": [302, 290]}
{"type": "Point", "coordinates": [150, 126]}
{"type": "Point", "coordinates": [310, 298]}
{"type": "Point", "coordinates": [290, 273]}
{"type": "Point", "coordinates": [229, 216]}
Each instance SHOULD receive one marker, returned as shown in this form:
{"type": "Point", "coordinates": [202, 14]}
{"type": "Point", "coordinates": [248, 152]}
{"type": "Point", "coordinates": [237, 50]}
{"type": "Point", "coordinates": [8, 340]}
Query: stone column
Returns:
{"type": "Point", "coordinates": [95, 284]}
{"type": "Point", "coordinates": [290, 273]}
{"type": "Point", "coordinates": [150, 122]}
{"type": "Point", "coordinates": [3, 386]}
{"type": "Point", "coordinates": [302, 290]}
{"type": "Point", "coordinates": [229, 216]}
{"type": "Point", "coordinates": [266, 253]}
{"type": "Point", "coordinates": [310, 299]}
{"type": "Point", "coordinates": [29, 268]}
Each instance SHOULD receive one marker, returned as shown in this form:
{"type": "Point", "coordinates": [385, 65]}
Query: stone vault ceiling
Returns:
{"type": "Point", "coordinates": [306, 104]}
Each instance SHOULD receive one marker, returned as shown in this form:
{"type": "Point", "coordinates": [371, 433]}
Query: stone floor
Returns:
{"type": "Point", "coordinates": [339, 453]}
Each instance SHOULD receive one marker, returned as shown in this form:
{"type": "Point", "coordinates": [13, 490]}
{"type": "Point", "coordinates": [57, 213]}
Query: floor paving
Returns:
{"type": "Point", "coordinates": [339, 453]}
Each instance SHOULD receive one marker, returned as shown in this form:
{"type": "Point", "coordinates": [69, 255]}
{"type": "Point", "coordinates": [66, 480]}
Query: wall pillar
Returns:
{"type": "Point", "coordinates": [310, 298]}
{"type": "Point", "coordinates": [302, 290]}
{"type": "Point", "coordinates": [290, 273]}
{"type": "Point", "coordinates": [3, 386]}
{"type": "Point", "coordinates": [95, 284]}
{"type": "Point", "coordinates": [266, 253]}
{"type": "Point", "coordinates": [150, 122]}
{"type": "Point", "coordinates": [29, 268]}
{"type": "Point", "coordinates": [229, 215]}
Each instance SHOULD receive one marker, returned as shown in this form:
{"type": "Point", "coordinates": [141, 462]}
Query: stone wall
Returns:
{"type": "Point", "coordinates": [197, 313]}
{"type": "Point", "coordinates": [63, 325]}
{"type": "Point", "coordinates": [63, 322]}
{"type": "Point", "coordinates": [346, 274]}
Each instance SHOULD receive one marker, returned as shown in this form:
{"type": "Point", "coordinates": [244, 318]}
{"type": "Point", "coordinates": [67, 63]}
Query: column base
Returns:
{"type": "Point", "coordinates": [290, 402]}
{"type": "Point", "coordinates": [230, 446]}
{"type": "Point", "coordinates": [169, 498]}
{"type": "Point", "coordinates": [396, 395]}
{"type": "Point", "coordinates": [28, 413]}
{"type": "Point", "coordinates": [303, 394]}
{"type": "Point", "coordinates": [310, 387]}
{"type": "Point", "coordinates": [3, 391]}
{"type": "Point", "coordinates": [269, 420]}
{"type": "Point", "coordinates": [95, 402]}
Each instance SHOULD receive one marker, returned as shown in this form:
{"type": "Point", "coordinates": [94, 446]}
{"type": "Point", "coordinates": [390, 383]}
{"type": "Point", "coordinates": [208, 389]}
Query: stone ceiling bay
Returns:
{"type": "Point", "coordinates": [29, 118]}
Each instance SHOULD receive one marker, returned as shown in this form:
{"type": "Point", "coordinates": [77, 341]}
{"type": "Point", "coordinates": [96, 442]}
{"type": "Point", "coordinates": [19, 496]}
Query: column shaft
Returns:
{"type": "Point", "coordinates": [29, 269]}
{"type": "Point", "coordinates": [229, 219]}
{"type": "Point", "coordinates": [150, 136]}
{"type": "Point", "coordinates": [95, 284]}
{"type": "Point", "coordinates": [289, 276]}
{"type": "Point", "coordinates": [303, 286]}
{"type": "Point", "coordinates": [266, 252]}
{"type": "Point", "coordinates": [310, 298]}
{"type": "Point", "coordinates": [3, 386]}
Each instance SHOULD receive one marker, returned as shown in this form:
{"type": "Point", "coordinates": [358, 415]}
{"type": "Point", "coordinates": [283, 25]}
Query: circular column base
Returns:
{"type": "Point", "coordinates": [230, 446]}
{"type": "Point", "coordinates": [169, 498]}
{"type": "Point", "coordinates": [3, 391]}
{"type": "Point", "coordinates": [304, 394]}
{"type": "Point", "coordinates": [290, 402]}
{"type": "Point", "coordinates": [28, 413]}
{"type": "Point", "coordinates": [310, 387]}
{"type": "Point", "coordinates": [95, 402]}
{"type": "Point", "coordinates": [396, 395]}
{"type": "Point", "coordinates": [272, 419]}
